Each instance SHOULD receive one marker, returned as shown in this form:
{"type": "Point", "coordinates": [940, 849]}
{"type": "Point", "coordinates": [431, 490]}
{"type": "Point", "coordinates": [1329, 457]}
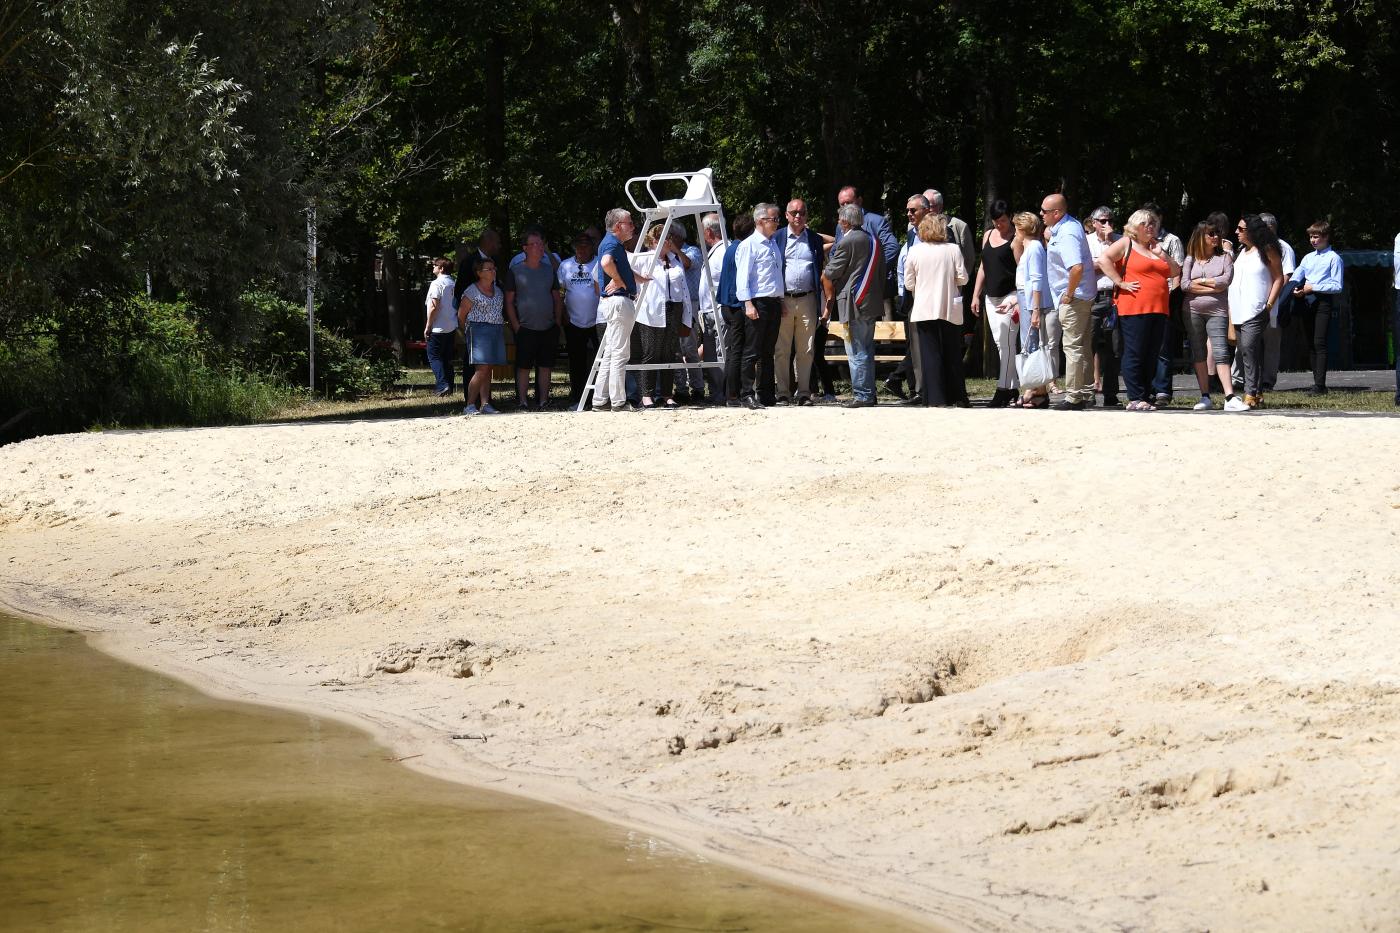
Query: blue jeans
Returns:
{"type": "Point", "coordinates": [860, 354]}
{"type": "Point", "coordinates": [1142, 340]}
{"type": "Point", "coordinates": [440, 350]}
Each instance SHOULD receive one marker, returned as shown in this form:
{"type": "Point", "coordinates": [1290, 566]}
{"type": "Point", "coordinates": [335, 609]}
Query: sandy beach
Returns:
{"type": "Point", "coordinates": [999, 670]}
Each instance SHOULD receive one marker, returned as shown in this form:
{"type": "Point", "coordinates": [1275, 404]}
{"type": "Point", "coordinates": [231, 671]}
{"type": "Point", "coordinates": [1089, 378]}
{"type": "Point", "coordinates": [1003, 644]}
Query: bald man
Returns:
{"type": "Point", "coordinates": [1073, 287]}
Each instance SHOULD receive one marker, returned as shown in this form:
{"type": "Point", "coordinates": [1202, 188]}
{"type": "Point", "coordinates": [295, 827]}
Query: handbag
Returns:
{"type": "Point", "coordinates": [1035, 364]}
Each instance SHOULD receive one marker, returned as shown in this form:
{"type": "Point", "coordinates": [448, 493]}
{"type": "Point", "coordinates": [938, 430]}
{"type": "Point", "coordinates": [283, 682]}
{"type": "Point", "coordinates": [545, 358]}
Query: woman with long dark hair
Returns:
{"type": "Point", "coordinates": [1258, 279]}
{"type": "Point", "coordinates": [996, 281]}
{"type": "Point", "coordinates": [1205, 278]}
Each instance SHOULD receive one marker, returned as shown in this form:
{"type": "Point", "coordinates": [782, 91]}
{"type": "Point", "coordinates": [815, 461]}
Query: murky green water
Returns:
{"type": "Point", "coordinates": [129, 802]}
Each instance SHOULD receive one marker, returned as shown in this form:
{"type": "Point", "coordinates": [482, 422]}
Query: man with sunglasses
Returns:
{"type": "Point", "coordinates": [915, 209]}
{"type": "Point", "coordinates": [879, 230]}
{"type": "Point", "coordinates": [801, 249]}
{"type": "Point", "coordinates": [1105, 338]}
{"type": "Point", "coordinates": [1073, 287]}
{"type": "Point", "coordinates": [759, 287]}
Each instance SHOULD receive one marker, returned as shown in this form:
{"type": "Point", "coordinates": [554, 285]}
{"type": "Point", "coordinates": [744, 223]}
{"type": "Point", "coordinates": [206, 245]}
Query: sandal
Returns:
{"type": "Point", "coordinates": [1037, 401]}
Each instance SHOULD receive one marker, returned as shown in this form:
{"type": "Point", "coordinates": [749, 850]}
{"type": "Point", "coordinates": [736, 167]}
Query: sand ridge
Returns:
{"type": "Point", "coordinates": [1005, 669]}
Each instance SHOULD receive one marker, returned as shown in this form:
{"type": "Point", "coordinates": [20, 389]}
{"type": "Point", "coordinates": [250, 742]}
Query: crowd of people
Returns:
{"type": "Point", "coordinates": [1106, 306]}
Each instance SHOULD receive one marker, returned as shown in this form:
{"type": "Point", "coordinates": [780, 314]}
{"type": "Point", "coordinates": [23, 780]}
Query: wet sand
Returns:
{"type": "Point", "coordinates": [1000, 670]}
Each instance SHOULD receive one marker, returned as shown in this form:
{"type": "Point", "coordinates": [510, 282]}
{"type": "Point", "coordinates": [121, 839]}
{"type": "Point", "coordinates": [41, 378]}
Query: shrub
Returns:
{"type": "Point", "coordinates": [278, 345]}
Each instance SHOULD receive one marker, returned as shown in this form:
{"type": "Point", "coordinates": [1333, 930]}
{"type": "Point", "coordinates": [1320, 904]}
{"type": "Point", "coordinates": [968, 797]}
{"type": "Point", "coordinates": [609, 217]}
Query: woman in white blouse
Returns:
{"type": "Point", "coordinates": [934, 271]}
{"type": "Point", "coordinates": [664, 314]}
{"type": "Point", "coordinates": [1257, 281]}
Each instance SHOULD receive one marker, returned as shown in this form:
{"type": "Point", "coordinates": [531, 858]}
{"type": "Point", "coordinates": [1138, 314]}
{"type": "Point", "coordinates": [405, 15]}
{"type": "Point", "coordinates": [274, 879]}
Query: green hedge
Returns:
{"type": "Point", "coordinates": [142, 363]}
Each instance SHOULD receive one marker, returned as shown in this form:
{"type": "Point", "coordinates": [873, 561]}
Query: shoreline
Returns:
{"type": "Point", "coordinates": [1004, 671]}
{"type": "Point", "coordinates": [441, 760]}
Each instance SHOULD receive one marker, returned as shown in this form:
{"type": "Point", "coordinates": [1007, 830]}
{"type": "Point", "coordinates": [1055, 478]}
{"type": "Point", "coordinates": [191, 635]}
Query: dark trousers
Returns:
{"type": "Point", "coordinates": [1171, 340]}
{"type": "Point", "coordinates": [440, 348]}
{"type": "Point", "coordinates": [736, 330]}
{"type": "Point", "coordinates": [1107, 341]}
{"type": "Point", "coordinates": [582, 343]}
{"type": "Point", "coordinates": [1317, 311]}
{"type": "Point", "coordinates": [823, 373]}
{"type": "Point", "coordinates": [941, 359]}
{"type": "Point", "coordinates": [661, 345]}
{"type": "Point", "coordinates": [1142, 344]}
{"type": "Point", "coordinates": [1395, 339]}
{"type": "Point", "coordinates": [904, 372]}
{"type": "Point", "coordinates": [756, 375]}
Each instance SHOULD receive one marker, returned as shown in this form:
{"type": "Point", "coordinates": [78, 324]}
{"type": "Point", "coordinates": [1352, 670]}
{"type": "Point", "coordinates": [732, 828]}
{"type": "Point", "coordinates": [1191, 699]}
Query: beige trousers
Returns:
{"type": "Point", "coordinates": [1076, 324]}
{"type": "Point", "coordinates": [798, 327]}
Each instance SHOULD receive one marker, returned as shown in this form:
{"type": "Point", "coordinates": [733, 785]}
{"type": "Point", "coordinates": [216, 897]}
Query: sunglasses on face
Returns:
{"type": "Point", "coordinates": [797, 213]}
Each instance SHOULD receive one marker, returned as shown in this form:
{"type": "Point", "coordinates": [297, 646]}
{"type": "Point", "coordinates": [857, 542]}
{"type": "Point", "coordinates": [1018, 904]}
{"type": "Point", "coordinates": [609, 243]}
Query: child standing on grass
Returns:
{"type": "Point", "coordinates": [481, 311]}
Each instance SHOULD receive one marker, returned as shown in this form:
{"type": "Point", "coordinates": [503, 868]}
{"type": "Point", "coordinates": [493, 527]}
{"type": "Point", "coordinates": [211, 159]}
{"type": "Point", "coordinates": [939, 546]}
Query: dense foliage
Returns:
{"type": "Point", "coordinates": [172, 149]}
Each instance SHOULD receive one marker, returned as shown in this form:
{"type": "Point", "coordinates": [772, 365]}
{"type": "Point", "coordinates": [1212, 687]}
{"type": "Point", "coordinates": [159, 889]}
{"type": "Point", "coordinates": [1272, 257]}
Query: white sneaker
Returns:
{"type": "Point", "coordinates": [1235, 403]}
{"type": "Point", "coordinates": [470, 410]}
{"type": "Point", "coordinates": [487, 409]}
{"type": "Point", "coordinates": [1204, 404]}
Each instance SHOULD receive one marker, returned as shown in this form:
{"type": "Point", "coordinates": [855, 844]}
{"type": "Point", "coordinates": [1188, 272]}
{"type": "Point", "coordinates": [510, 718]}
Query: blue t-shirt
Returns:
{"type": "Point", "coordinates": [612, 246]}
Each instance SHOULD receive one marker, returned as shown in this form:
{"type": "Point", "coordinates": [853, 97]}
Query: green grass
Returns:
{"type": "Point", "coordinates": [412, 397]}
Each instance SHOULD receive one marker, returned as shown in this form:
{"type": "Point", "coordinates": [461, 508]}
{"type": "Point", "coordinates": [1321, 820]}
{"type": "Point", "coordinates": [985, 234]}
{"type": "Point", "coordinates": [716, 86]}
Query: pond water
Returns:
{"type": "Point", "coordinates": [131, 802]}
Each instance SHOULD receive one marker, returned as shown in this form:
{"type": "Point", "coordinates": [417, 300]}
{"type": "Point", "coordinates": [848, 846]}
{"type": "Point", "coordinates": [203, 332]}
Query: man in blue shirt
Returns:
{"type": "Point", "coordinates": [758, 284]}
{"type": "Point", "coordinates": [731, 310]}
{"type": "Point", "coordinates": [1319, 282]}
{"type": "Point", "coordinates": [801, 249]}
{"type": "Point", "coordinates": [1073, 286]}
{"type": "Point", "coordinates": [618, 287]}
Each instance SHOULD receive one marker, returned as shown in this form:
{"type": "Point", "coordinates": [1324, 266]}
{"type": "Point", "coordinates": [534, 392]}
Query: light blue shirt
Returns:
{"type": "Point", "coordinates": [1030, 278]}
{"type": "Point", "coordinates": [692, 275]}
{"type": "Point", "coordinates": [759, 268]}
{"type": "Point", "coordinates": [899, 266]}
{"type": "Point", "coordinates": [1322, 269]}
{"type": "Point", "coordinates": [1069, 247]}
{"type": "Point", "coordinates": [799, 265]}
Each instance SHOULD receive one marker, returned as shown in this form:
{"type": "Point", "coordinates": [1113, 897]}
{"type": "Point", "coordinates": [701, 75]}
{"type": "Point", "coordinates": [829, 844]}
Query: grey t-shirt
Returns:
{"type": "Point", "coordinates": [534, 295]}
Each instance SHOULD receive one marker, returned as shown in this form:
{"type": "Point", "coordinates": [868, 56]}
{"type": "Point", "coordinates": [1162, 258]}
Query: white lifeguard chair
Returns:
{"type": "Point", "coordinates": [699, 199]}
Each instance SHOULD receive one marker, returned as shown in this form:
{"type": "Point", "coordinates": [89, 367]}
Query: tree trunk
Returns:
{"type": "Point", "coordinates": [634, 34]}
{"type": "Point", "coordinates": [494, 132]}
{"type": "Point", "coordinates": [393, 299]}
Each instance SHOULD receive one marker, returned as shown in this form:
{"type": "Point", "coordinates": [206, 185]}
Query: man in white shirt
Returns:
{"type": "Point", "coordinates": [712, 228]}
{"type": "Point", "coordinates": [440, 325]}
{"type": "Point", "coordinates": [759, 288]}
{"type": "Point", "coordinates": [581, 318]}
{"type": "Point", "coordinates": [1105, 338]}
{"type": "Point", "coordinates": [1395, 323]}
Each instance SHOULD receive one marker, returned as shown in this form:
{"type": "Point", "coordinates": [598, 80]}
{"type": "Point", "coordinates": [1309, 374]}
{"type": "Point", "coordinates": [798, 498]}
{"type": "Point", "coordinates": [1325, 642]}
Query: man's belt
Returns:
{"type": "Point", "coordinates": [798, 294]}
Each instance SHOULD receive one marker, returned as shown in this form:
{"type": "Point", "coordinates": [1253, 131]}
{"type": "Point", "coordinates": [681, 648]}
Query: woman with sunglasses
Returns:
{"type": "Point", "coordinates": [1253, 290]}
{"type": "Point", "coordinates": [1205, 278]}
{"type": "Point", "coordinates": [1141, 270]}
{"type": "Point", "coordinates": [996, 281]}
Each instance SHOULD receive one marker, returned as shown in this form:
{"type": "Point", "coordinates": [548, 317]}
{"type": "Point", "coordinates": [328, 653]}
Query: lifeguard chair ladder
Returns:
{"type": "Point", "coordinates": [699, 199]}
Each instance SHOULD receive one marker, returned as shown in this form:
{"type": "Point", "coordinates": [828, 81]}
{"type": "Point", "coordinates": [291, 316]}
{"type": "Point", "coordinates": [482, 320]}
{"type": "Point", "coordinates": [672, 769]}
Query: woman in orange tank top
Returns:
{"type": "Point", "coordinates": [1140, 270]}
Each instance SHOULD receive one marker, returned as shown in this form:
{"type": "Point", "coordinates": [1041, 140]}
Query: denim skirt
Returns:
{"type": "Point", "coordinates": [486, 344]}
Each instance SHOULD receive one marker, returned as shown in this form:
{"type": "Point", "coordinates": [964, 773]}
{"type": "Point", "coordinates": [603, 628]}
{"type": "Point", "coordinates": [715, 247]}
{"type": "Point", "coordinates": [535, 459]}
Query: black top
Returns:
{"type": "Point", "coordinates": [998, 270]}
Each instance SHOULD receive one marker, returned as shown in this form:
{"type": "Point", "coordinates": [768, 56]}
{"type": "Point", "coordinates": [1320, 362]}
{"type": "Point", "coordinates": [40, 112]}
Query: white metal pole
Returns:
{"type": "Point", "coordinates": [311, 296]}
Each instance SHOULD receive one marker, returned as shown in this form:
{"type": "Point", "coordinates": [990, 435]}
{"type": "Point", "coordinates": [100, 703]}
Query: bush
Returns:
{"type": "Point", "coordinates": [278, 345]}
{"type": "Point", "coordinates": [133, 363]}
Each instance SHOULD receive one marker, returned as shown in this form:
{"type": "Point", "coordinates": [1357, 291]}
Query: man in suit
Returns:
{"type": "Point", "coordinates": [879, 230]}
{"type": "Point", "coordinates": [853, 283]}
{"type": "Point", "coordinates": [801, 249]}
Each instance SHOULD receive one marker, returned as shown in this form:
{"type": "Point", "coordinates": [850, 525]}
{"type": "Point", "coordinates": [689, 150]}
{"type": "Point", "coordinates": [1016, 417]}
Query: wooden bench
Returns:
{"type": "Point", "coordinates": [886, 332]}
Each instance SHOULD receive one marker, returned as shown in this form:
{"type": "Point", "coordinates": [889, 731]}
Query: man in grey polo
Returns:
{"type": "Point", "coordinates": [535, 309]}
{"type": "Point", "coordinates": [1073, 285]}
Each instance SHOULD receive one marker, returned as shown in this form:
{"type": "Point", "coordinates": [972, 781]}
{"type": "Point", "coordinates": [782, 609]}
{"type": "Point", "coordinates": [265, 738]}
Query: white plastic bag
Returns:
{"type": "Point", "coordinates": [1035, 364]}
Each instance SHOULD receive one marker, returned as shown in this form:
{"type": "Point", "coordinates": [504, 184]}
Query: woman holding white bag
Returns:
{"type": "Point", "coordinates": [1033, 298]}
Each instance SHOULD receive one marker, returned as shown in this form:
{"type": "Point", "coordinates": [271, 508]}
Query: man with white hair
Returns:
{"type": "Point", "coordinates": [853, 283]}
{"type": "Point", "coordinates": [759, 287]}
{"type": "Point", "coordinates": [617, 286]}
